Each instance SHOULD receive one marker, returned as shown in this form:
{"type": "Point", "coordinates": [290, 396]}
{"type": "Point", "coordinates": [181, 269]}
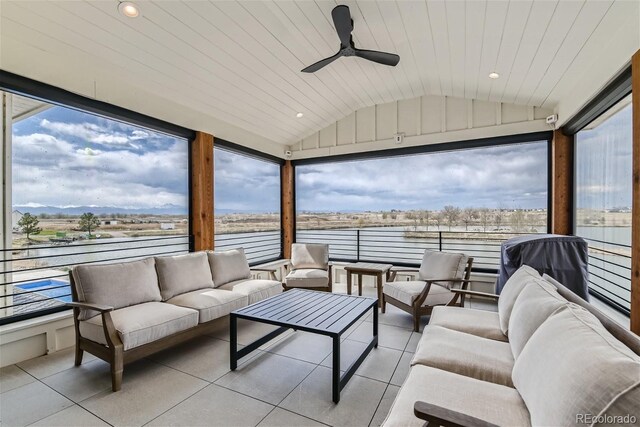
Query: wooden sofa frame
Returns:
{"type": "Point", "coordinates": [439, 416]}
{"type": "Point", "coordinates": [113, 353]}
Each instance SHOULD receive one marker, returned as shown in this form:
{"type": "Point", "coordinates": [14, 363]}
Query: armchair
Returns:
{"type": "Point", "coordinates": [310, 268]}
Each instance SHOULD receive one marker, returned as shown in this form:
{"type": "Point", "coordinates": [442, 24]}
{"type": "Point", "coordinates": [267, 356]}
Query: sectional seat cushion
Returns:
{"type": "Point", "coordinates": [210, 303]}
{"type": "Point", "coordinates": [183, 273]}
{"type": "Point", "coordinates": [442, 265]}
{"type": "Point", "coordinates": [510, 292]}
{"type": "Point", "coordinates": [309, 255]}
{"type": "Point", "coordinates": [408, 291]}
{"type": "Point", "coordinates": [255, 289]}
{"type": "Point", "coordinates": [481, 323]}
{"type": "Point", "coordinates": [533, 306]}
{"type": "Point", "coordinates": [228, 266]}
{"type": "Point", "coordinates": [492, 403]}
{"type": "Point", "coordinates": [142, 323]}
{"type": "Point", "coordinates": [116, 285]}
{"type": "Point", "coordinates": [465, 354]}
{"type": "Point", "coordinates": [573, 365]}
{"type": "Point", "coordinates": [307, 278]}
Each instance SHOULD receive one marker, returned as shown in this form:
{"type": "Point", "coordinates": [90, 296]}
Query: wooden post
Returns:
{"type": "Point", "coordinates": [562, 183]}
{"type": "Point", "coordinates": [202, 191]}
{"type": "Point", "coordinates": [635, 210]}
{"type": "Point", "coordinates": [287, 175]}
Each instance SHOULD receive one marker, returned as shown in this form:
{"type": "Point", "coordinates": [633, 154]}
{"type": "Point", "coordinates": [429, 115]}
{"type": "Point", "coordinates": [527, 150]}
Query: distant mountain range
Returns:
{"type": "Point", "coordinates": [100, 210]}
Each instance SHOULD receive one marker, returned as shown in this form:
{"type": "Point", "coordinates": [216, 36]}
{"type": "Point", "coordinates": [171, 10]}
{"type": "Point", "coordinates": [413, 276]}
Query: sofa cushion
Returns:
{"type": "Point", "coordinates": [481, 323]}
{"type": "Point", "coordinates": [183, 273]}
{"type": "Point", "coordinates": [255, 289]}
{"type": "Point", "coordinates": [116, 285]}
{"type": "Point", "coordinates": [442, 265]}
{"type": "Point", "coordinates": [465, 354]}
{"type": "Point", "coordinates": [532, 307]}
{"type": "Point", "coordinates": [573, 365]}
{"type": "Point", "coordinates": [407, 292]}
{"type": "Point", "coordinates": [309, 255]}
{"type": "Point", "coordinates": [210, 303]}
{"type": "Point", "coordinates": [228, 266]}
{"type": "Point", "coordinates": [307, 278]}
{"type": "Point", "coordinates": [510, 292]}
{"type": "Point", "coordinates": [142, 323]}
{"type": "Point", "coordinates": [492, 403]}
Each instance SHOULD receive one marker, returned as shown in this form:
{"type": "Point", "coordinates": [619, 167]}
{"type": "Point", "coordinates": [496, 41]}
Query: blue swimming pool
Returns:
{"type": "Point", "coordinates": [49, 288]}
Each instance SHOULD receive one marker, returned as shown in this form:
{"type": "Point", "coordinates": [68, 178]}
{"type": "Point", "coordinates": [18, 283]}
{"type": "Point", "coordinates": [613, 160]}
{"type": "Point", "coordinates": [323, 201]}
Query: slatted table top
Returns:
{"type": "Point", "coordinates": [313, 311]}
{"type": "Point", "coordinates": [368, 267]}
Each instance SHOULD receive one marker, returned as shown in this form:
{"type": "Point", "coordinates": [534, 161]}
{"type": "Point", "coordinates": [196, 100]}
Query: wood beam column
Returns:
{"type": "Point", "coordinates": [287, 176]}
{"type": "Point", "coordinates": [562, 183]}
{"type": "Point", "coordinates": [635, 210]}
{"type": "Point", "coordinates": [202, 191]}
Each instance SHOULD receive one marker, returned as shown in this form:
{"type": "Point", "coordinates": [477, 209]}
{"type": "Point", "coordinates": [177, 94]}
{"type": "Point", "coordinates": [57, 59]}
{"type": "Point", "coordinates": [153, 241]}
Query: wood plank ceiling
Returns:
{"type": "Point", "coordinates": [240, 61]}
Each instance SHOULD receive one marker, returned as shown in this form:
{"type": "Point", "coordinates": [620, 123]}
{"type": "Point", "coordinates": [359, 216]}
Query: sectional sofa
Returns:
{"type": "Point", "coordinates": [123, 312]}
{"type": "Point", "coordinates": [545, 358]}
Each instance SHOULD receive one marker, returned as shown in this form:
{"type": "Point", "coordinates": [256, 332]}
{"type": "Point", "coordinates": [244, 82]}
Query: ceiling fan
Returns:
{"type": "Point", "coordinates": [344, 26]}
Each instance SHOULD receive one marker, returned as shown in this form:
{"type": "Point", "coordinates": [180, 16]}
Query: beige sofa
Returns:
{"type": "Point", "coordinates": [545, 358]}
{"type": "Point", "coordinates": [126, 311]}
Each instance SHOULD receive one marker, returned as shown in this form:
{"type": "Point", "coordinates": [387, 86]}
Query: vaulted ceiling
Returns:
{"type": "Point", "coordinates": [240, 61]}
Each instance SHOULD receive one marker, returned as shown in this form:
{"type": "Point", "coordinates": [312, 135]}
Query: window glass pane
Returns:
{"type": "Point", "coordinates": [603, 201]}
{"type": "Point", "coordinates": [391, 209]}
{"type": "Point", "coordinates": [247, 205]}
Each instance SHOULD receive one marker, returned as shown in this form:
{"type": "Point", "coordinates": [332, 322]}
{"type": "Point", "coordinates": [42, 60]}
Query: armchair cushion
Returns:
{"type": "Point", "coordinates": [255, 289]}
{"type": "Point", "coordinates": [407, 292]}
{"type": "Point", "coordinates": [307, 278]}
{"type": "Point", "coordinates": [116, 285]}
{"type": "Point", "coordinates": [481, 323]}
{"type": "Point", "coordinates": [183, 273]}
{"type": "Point", "coordinates": [142, 323]}
{"type": "Point", "coordinates": [510, 292]}
{"type": "Point", "coordinates": [228, 266]}
{"type": "Point", "coordinates": [309, 255]}
{"type": "Point", "coordinates": [442, 265]}
{"type": "Point", "coordinates": [210, 303]}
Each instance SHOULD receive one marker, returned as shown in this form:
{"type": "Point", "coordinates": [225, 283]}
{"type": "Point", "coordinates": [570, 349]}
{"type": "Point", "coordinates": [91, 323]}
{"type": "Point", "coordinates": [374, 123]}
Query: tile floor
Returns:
{"type": "Point", "coordinates": [287, 382]}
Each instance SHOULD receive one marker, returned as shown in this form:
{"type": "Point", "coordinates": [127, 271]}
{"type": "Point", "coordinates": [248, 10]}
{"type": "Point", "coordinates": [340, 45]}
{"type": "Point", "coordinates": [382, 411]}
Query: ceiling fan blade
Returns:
{"type": "Point", "coordinates": [326, 61]}
{"type": "Point", "coordinates": [379, 57]}
{"type": "Point", "coordinates": [343, 23]}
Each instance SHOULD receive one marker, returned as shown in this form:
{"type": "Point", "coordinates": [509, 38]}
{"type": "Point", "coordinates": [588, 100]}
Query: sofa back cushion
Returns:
{"type": "Point", "coordinates": [309, 255]}
{"type": "Point", "coordinates": [510, 292]}
{"type": "Point", "coordinates": [442, 265]}
{"type": "Point", "coordinates": [571, 366]}
{"type": "Point", "coordinates": [228, 266]}
{"type": "Point", "coordinates": [116, 285]}
{"type": "Point", "coordinates": [533, 306]}
{"type": "Point", "coordinates": [183, 273]}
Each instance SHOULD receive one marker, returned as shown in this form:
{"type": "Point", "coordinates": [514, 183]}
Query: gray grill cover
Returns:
{"type": "Point", "coordinates": [564, 258]}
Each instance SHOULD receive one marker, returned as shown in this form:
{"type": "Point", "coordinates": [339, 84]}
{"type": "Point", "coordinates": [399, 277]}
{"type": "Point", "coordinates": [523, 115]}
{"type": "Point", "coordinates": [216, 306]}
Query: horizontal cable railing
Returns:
{"type": "Point", "coordinates": [34, 280]}
{"type": "Point", "coordinates": [260, 246]}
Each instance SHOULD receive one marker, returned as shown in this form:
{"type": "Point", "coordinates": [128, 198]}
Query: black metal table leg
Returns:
{"type": "Point", "coordinates": [335, 383]}
{"type": "Point", "coordinates": [233, 346]}
{"type": "Point", "coordinates": [375, 323]}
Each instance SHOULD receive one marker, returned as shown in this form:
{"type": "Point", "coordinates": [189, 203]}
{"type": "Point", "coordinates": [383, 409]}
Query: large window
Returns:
{"type": "Point", "coordinates": [391, 209]}
{"type": "Point", "coordinates": [247, 205]}
{"type": "Point", "coordinates": [85, 189]}
{"type": "Point", "coordinates": [603, 202]}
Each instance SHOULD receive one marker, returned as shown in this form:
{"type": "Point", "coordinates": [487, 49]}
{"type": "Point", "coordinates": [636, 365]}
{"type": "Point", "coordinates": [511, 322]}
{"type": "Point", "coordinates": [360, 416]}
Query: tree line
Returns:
{"type": "Point", "coordinates": [30, 224]}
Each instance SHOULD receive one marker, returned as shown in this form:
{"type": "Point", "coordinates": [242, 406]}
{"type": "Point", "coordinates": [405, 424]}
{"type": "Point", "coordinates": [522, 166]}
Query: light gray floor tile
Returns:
{"type": "Point", "coordinates": [148, 390]}
{"type": "Point", "coordinates": [13, 377]}
{"type": "Point", "coordinates": [385, 406]}
{"type": "Point", "coordinates": [312, 398]}
{"type": "Point", "coordinates": [81, 382]}
{"type": "Point", "coordinates": [402, 370]}
{"type": "Point", "coordinates": [412, 345]}
{"type": "Point", "coordinates": [32, 402]}
{"type": "Point", "coordinates": [283, 418]}
{"type": "Point", "coordinates": [303, 346]}
{"type": "Point", "coordinates": [53, 363]}
{"type": "Point", "coordinates": [73, 416]}
{"type": "Point", "coordinates": [215, 405]}
{"type": "Point", "coordinates": [378, 365]}
{"type": "Point", "coordinates": [268, 377]}
{"type": "Point", "coordinates": [388, 336]}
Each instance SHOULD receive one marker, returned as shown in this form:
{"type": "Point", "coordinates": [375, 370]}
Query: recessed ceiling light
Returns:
{"type": "Point", "coordinates": [494, 75]}
{"type": "Point", "coordinates": [299, 115]}
{"type": "Point", "coordinates": [128, 9]}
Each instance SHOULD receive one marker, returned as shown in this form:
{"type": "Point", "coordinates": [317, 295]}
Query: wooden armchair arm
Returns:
{"type": "Point", "coordinates": [475, 293]}
{"type": "Point", "coordinates": [97, 307]}
{"type": "Point", "coordinates": [437, 415]}
{"type": "Point", "coordinates": [395, 270]}
{"type": "Point", "coordinates": [270, 270]}
{"type": "Point", "coordinates": [110, 333]}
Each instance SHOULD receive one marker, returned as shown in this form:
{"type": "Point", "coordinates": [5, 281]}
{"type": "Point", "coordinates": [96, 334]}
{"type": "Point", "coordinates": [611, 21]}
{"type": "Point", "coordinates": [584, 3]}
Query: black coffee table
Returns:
{"type": "Point", "coordinates": [317, 312]}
